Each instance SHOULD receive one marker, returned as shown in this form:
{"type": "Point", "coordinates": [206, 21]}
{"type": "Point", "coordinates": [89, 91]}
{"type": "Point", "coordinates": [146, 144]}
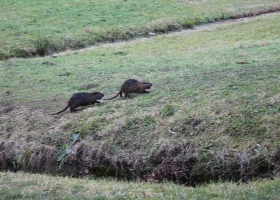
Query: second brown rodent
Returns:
{"type": "Point", "coordinates": [132, 86]}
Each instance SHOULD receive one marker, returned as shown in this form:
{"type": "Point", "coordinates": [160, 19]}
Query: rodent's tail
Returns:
{"type": "Point", "coordinates": [60, 111]}
{"type": "Point", "coordinates": [113, 96]}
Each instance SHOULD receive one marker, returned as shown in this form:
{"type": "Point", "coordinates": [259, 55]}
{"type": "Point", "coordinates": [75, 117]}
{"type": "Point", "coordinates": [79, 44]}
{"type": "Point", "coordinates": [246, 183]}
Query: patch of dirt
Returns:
{"type": "Point", "coordinates": [47, 104]}
{"type": "Point", "coordinates": [193, 122]}
{"type": "Point", "coordinates": [274, 100]}
{"type": "Point", "coordinates": [48, 63]}
{"type": "Point", "coordinates": [175, 169]}
{"type": "Point", "coordinates": [166, 69]}
{"type": "Point", "coordinates": [189, 126]}
{"type": "Point", "coordinates": [11, 64]}
{"type": "Point", "coordinates": [89, 86]}
{"type": "Point", "coordinates": [120, 53]}
{"type": "Point", "coordinates": [242, 63]}
{"type": "Point", "coordinates": [6, 108]}
{"type": "Point", "coordinates": [65, 74]}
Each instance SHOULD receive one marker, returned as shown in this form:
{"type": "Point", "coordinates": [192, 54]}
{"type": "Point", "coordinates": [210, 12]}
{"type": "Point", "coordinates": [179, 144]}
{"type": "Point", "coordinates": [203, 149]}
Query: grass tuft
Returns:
{"type": "Point", "coordinates": [168, 110]}
{"type": "Point", "coordinates": [42, 46]}
{"type": "Point", "coordinates": [92, 125]}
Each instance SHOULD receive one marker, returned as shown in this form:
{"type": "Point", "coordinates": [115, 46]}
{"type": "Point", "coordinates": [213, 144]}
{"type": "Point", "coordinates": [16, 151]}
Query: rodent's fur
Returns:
{"type": "Point", "coordinates": [133, 86]}
{"type": "Point", "coordinates": [82, 99]}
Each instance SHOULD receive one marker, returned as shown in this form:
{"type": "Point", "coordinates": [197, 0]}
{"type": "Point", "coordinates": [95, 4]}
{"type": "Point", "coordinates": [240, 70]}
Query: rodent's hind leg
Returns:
{"type": "Point", "coordinates": [73, 108]}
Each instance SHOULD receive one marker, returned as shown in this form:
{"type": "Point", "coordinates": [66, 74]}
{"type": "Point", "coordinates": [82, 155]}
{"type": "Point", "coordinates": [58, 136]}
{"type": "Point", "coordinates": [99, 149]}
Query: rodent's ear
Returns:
{"type": "Point", "coordinates": [144, 82]}
{"type": "Point", "coordinates": [94, 93]}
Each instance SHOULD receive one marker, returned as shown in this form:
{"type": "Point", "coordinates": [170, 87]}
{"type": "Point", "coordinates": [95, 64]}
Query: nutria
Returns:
{"type": "Point", "coordinates": [133, 86]}
{"type": "Point", "coordinates": [82, 99]}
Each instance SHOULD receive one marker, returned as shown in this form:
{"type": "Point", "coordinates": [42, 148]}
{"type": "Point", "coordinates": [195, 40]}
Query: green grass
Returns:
{"type": "Point", "coordinates": [36, 28]}
{"type": "Point", "coordinates": [208, 117]}
{"type": "Point", "coordinates": [33, 186]}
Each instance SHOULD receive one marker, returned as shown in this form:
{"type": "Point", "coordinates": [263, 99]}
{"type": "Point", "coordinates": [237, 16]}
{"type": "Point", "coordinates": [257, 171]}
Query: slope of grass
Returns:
{"type": "Point", "coordinates": [34, 186]}
{"type": "Point", "coordinates": [41, 27]}
{"type": "Point", "coordinates": [213, 111]}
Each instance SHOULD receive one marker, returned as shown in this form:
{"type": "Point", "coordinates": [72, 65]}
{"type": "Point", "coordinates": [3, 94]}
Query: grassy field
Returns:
{"type": "Point", "coordinates": [31, 28]}
{"type": "Point", "coordinates": [212, 114]}
{"type": "Point", "coordinates": [34, 186]}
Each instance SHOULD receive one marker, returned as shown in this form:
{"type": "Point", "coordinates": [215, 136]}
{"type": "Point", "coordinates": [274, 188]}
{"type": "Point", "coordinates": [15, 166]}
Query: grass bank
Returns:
{"type": "Point", "coordinates": [212, 114]}
{"type": "Point", "coordinates": [34, 186]}
{"type": "Point", "coordinates": [31, 28]}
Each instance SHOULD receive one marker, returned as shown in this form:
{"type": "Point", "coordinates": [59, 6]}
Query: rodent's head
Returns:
{"type": "Point", "coordinates": [147, 85]}
{"type": "Point", "coordinates": [98, 95]}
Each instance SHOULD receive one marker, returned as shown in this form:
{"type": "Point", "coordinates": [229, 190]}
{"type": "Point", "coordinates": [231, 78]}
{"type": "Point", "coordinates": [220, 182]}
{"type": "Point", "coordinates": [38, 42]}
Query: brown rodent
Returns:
{"type": "Point", "coordinates": [82, 99]}
{"type": "Point", "coordinates": [133, 86]}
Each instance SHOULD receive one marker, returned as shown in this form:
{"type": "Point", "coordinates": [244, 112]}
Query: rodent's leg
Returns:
{"type": "Point", "coordinates": [73, 108]}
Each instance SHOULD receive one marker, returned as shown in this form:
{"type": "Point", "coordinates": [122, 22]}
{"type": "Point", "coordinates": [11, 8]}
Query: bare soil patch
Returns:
{"type": "Point", "coordinates": [6, 108]}
{"type": "Point", "coordinates": [88, 86]}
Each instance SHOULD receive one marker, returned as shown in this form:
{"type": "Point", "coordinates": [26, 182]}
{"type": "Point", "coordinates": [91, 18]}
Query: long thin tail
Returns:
{"type": "Point", "coordinates": [113, 96]}
{"type": "Point", "coordinates": [60, 111]}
